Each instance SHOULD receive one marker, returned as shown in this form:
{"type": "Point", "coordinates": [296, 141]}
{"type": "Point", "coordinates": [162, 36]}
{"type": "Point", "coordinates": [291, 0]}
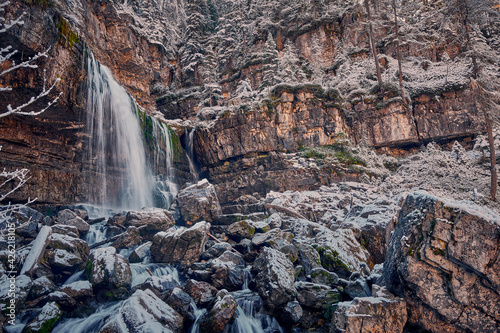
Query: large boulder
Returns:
{"type": "Point", "coordinates": [443, 259]}
{"type": "Point", "coordinates": [149, 221]}
{"type": "Point", "coordinates": [198, 202]}
{"type": "Point", "coordinates": [201, 292]}
{"type": "Point", "coordinates": [181, 245]}
{"type": "Point", "coordinates": [140, 253]}
{"type": "Point", "coordinates": [144, 312]}
{"type": "Point", "coordinates": [66, 253]}
{"type": "Point", "coordinates": [228, 271]}
{"type": "Point", "coordinates": [45, 320]}
{"type": "Point", "coordinates": [217, 318]}
{"type": "Point", "coordinates": [383, 313]}
{"type": "Point", "coordinates": [69, 217]}
{"type": "Point", "coordinates": [274, 277]}
{"type": "Point", "coordinates": [316, 296]}
{"type": "Point", "coordinates": [109, 272]}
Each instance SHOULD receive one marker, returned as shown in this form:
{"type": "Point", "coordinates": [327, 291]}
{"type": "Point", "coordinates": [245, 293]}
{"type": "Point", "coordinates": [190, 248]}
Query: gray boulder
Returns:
{"type": "Point", "coordinates": [274, 278]}
{"type": "Point", "coordinates": [198, 202]}
{"type": "Point", "coordinates": [201, 292]}
{"type": "Point", "coordinates": [221, 313]}
{"type": "Point", "coordinates": [144, 312]}
{"type": "Point", "coordinates": [383, 313]}
{"type": "Point", "coordinates": [180, 246]}
{"type": "Point", "coordinates": [69, 217]}
{"type": "Point", "coordinates": [109, 272]}
{"type": "Point", "coordinates": [443, 259]}
{"type": "Point", "coordinates": [149, 221]}
{"type": "Point", "coordinates": [228, 271]}
{"type": "Point", "coordinates": [45, 320]}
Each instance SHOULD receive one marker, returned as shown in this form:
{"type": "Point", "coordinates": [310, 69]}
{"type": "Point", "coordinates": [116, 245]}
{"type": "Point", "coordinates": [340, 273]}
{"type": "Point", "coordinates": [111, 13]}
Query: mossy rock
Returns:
{"type": "Point", "coordinates": [330, 261]}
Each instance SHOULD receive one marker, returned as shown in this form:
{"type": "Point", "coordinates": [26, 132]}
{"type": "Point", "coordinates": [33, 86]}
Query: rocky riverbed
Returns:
{"type": "Point", "coordinates": [261, 265]}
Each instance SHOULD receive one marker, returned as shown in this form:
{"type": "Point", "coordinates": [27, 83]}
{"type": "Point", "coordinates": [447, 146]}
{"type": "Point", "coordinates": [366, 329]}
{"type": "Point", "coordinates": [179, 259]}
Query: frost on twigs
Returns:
{"type": "Point", "coordinates": [8, 64]}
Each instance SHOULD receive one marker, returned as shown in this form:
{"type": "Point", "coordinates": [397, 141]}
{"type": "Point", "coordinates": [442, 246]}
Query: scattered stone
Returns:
{"type": "Point", "coordinates": [215, 250]}
{"type": "Point", "coordinates": [68, 230]}
{"type": "Point", "coordinates": [201, 292]}
{"type": "Point", "coordinates": [45, 320]}
{"type": "Point", "coordinates": [128, 239]}
{"type": "Point", "coordinates": [357, 288]}
{"type": "Point", "coordinates": [140, 253]}
{"type": "Point", "coordinates": [69, 217]}
{"type": "Point", "coordinates": [217, 318]}
{"type": "Point", "coordinates": [240, 230]}
{"type": "Point", "coordinates": [228, 271]}
{"type": "Point", "coordinates": [78, 290]}
{"type": "Point", "coordinates": [275, 238]}
{"type": "Point", "coordinates": [64, 300]}
{"type": "Point", "coordinates": [109, 272]}
{"type": "Point", "coordinates": [180, 246]}
{"type": "Point", "coordinates": [292, 313]}
{"type": "Point", "coordinates": [149, 221]}
{"type": "Point", "coordinates": [198, 202]}
{"type": "Point", "coordinates": [180, 301]}
{"type": "Point", "coordinates": [41, 287]}
{"type": "Point", "coordinates": [144, 312]}
{"type": "Point", "coordinates": [322, 276]}
{"type": "Point", "coordinates": [274, 278]}
{"type": "Point", "coordinates": [316, 296]}
{"type": "Point", "coordinates": [383, 313]}
{"type": "Point", "coordinates": [309, 257]}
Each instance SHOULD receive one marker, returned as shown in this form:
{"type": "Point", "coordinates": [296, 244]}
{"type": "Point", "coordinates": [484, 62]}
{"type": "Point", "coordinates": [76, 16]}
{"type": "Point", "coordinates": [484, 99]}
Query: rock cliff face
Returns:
{"type": "Point", "coordinates": [147, 45]}
{"type": "Point", "coordinates": [443, 259]}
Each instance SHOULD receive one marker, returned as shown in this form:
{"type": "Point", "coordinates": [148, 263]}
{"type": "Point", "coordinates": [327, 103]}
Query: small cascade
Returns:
{"type": "Point", "coordinates": [198, 314]}
{"type": "Point", "coordinates": [248, 278]}
{"type": "Point", "coordinates": [77, 276]}
{"type": "Point", "coordinates": [249, 319]}
{"type": "Point", "coordinates": [96, 233]}
{"type": "Point", "coordinates": [92, 323]}
{"type": "Point", "coordinates": [193, 167]}
{"type": "Point", "coordinates": [162, 150]}
{"type": "Point", "coordinates": [116, 153]}
{"type": "Point", "coordinates": [140, 272]}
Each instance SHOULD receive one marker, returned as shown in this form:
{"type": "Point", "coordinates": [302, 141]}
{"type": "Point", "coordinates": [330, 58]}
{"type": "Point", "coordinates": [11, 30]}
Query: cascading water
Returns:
{"type": "Point", "coordinates": [193, 168]}
{"type": "Point", "coordinates": [141, 272]}
{"type": "Point", "coordinates": [162, 151]}
{"type": "Point", "coordinates": [116, 150]}
{"type": "Point", "coordinates": [92, 323]}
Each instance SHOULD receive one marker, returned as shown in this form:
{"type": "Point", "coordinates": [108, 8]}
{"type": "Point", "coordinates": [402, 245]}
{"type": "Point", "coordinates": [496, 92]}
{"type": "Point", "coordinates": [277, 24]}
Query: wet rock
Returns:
{"type": "Point", "coordinates": [383, 313]}
{"type": "Point", "coordinates": [275, 238]}
{"type": "Point", "coordinates": [140, 253]}
{"type": "Point", "coordinates": [109, 272]}
{"type": "Point", "coordinates": [239, 230]}
{"type": "Point", "coordinates": [201, 292]}
{"type": "Point", "coordinates": [160, 285]}
{"type": "Point", "coordinates": [69, 217]}
{"type": "Point", "coordinates": [216, 250]}
{"type": "Point", "coordinates": [66, 253]}
{"type": "Point", "coordinates": [45, 320]}
{"type": "Point", "coordinates": [322, 276]}
{"type": "Point", "coordinates": [128, 239]}
{"type": "Point", "coordinates": [198, 202]}
{"type": "Point", "coordinates": [68, 230]}
{"type": "Point", "coordinates": [144, 312]}
{"type": "Point", "coordinates": [26, 220]}
{"type": "Point", "coordinates": [78, 290]}
{"type": "Point", "coordinates": [21, 284]}
{"type": "Point", "coordinates": [149, 221]}
{"type": "Point", "coordinates": [37, 251]}
{"type": "Point", "coordinates": [41, 287]}
{"type": "Point", "coordinates": [292, 313]}
{"type": "Point", "coordinates": [291, 252]}
{"type": "Point", "coordinates": [316, 296]}
{"type": "Point", "coordinates": [180, 301]}
{"type": "Point", "coordinates": [274, 277]}
{"type": "Point", "coordinates": [182, 245]}
{"type": "Point", "coordinates": [357, 288]}
{"type": "Point", "coordinates": [66, 302]}
{"type": "Point", "coordinates": [443, 259]}
{"type": "Point", "coordinates": [308, 257]}
{"type": "Point", "coordinates": [228, 271]}
{"type": "Point", "coordinates": [220, 314]}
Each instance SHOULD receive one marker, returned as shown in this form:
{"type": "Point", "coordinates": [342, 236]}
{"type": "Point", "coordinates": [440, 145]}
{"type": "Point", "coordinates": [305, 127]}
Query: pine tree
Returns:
{"type": "Point", "coordinates": [270, 63]}
{"type": "Point", "coordinates": [289, 69]}
{"type": "Point", "coordinates": [213, 90]}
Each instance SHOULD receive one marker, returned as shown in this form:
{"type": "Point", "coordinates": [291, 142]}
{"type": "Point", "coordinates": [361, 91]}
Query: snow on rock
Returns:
{"type": "Point", "coordinates": [198, 202]}
{"type": "Point", "coordinates": [45, 320]}
{"type": "Point", "coordinates": [220, 314]}
{"type": "Point", "coordinates": [108, 270]}
{"type": "Point", "coordinates": [22, 287]}
{"type": "Point", "coordinates": [37, 250]}
{"type": "Point", "coordinates": [183, 245]}
{"type": "Point", "coordinates": [274, 276]}
{"type": "Point", "coordinates": [150, 221]}
{"type": "Point", "coordinates": [78, 290]}
{"type": "Point", "coordinates": [443, 258]}
{"type": "Point", "coordinates": [384, 313]}
{"type": "Point", "coordinates": [69, 217]}
{"type": "Point", "coordinates": [144, 312]}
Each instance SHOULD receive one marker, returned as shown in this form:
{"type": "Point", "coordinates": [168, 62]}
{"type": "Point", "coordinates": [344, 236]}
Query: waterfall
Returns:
{"type": "Point", "coordinates": [198, 314]}
{"type": "Point", "coordinates": [193, 167]}
{"type": "Point", "coordinates": [116, 150]}
{"type": "Point", "coordinates": [162, 150]}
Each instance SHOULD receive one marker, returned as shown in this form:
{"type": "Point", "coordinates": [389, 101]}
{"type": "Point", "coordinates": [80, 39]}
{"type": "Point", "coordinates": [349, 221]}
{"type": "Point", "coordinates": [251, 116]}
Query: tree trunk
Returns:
{"type": "Point", "coordinates": [372, 45]}
{"type": "Point", "coordinates": [398, 52]}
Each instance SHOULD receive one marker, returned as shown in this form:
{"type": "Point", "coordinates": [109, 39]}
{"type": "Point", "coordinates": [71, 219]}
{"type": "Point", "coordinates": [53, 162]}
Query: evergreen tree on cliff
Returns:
{"type": "Point", "coordinates": [270, 64]}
